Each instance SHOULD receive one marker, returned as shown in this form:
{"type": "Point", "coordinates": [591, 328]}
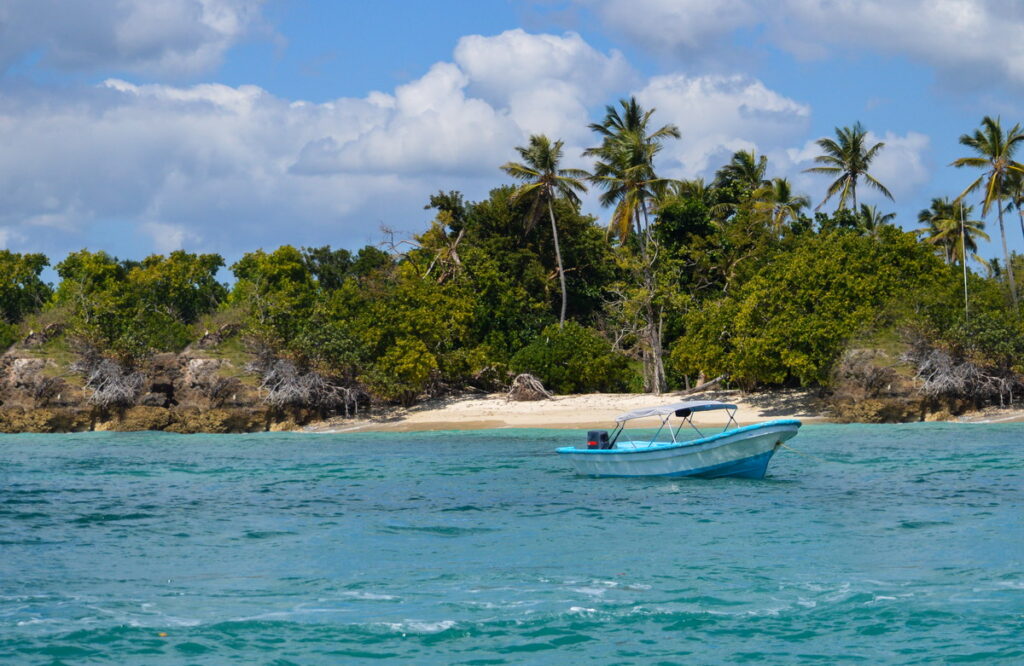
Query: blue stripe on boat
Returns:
{"type": "Point", "coordinates": [753, 467]}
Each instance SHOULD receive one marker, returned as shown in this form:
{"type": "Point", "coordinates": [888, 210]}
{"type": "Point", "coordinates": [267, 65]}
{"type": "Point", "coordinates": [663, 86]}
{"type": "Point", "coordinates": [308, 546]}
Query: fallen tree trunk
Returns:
{"type": "Point", "coordinates": [703, 387]}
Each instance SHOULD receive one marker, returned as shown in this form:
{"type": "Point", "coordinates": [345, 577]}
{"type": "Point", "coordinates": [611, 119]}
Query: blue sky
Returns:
{"type": "Point", "coordinates": [141, 126]}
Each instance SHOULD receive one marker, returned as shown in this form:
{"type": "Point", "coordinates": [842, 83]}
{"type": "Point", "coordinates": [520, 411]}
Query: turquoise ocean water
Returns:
{"type": "Point", "coordinates": [904, 545]}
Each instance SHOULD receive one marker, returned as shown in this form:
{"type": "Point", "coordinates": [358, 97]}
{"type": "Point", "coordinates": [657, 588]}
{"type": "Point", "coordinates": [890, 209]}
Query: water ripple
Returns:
{"type": "Point", "coordinates": [481, 547]}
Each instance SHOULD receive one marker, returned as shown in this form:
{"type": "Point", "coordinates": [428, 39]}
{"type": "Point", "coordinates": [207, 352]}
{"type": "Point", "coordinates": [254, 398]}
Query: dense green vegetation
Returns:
{"type": "Point", "coordinates": [735, 277]}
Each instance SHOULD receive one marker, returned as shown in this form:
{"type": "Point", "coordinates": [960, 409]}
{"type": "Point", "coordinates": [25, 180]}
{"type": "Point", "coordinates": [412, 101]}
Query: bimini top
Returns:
{"type": "Point", "coordinates": [664, 410]}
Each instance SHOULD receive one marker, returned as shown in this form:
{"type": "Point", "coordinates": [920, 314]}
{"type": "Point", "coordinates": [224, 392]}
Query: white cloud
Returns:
{"type": "Point", "coordinates": [211, 158]}
{"type": "Point", "coordinates": [429, 124]}
{"type": "Point", "coordinates": [719, 115]}
{"type": "Point", "coordinates": [155, 36]}
{"type": "Point", "coordinates": [676, 24]}
{"type": "Point", "coordinates": [169, 237]}
{"type": "Point", "coordinates": [901, 166]}
{"type": "Point", "coordinates": [228, 166]}
{"type": "Point", "coordinates": [515, 60]}
{"type": "Point", "coordinates": [219, 168]}
{"type": "Point", "coordinates": [465, 117]}
{"type": "Point", "coordinates": [970, 40]}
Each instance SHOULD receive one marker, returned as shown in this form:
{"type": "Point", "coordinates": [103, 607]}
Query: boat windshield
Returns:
{"type": "Point", "coordinates": [673, 423]}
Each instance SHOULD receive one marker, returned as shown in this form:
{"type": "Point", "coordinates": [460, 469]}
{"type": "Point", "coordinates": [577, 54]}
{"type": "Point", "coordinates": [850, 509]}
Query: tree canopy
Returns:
{"type": "Point", "coordinates": [731, 277]}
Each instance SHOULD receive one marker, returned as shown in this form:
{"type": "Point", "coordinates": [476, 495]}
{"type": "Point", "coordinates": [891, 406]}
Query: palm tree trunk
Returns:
{"type": "Point", "coordinates": [1020, 214]}
{"type": "Point", "coordinates": [647, 349]}
{"type": "Point", "coordinates": [1006, 256]}
{"type": "Point", "coordinates": [558, 257]}
{"type": "Point", "coordinates": [657, 365]}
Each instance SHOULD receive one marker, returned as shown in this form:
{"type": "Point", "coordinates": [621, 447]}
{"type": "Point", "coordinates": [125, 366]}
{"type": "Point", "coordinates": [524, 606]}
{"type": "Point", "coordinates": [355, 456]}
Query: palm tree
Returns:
{"type": "Point", "coordinates": [624, 169]}
{"type": "Point", "coordinates": [940, 219]}
{"type": "Point", "coordinates": [1014, 186]}
{"type": "Point", "coordinates": [847, 158]}
{"type": "Point", "coordinates": [777, 202]}
{"type": "Point", "coordinates": [625, 165]}
{"type": "Point", "coordinates": [546, 181]}
{"type": "Point", "coordinates": [871, 220]}
{"type": "Point", "coordinates": [950, 228]}
{"type": "Point", "coordinates": [737, 180]}
{"type": "Point", "coordinates": [745, 169]}
{"type": "Point", "coordinates": [695, 190]}
{"type": "Point", "coordinates": [995, 150]}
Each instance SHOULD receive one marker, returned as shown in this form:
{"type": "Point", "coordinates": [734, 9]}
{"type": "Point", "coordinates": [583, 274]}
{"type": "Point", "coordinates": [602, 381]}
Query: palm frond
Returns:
{"type": "Point", "coordinates": [828, 170]}
{"type": "Point", "coordinates": [878, 186]}
{"type": "Point", "coordinates": [519, 171]}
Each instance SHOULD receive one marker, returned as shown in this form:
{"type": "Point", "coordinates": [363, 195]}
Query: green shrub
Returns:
{"type": "Point", "coordinates": [574, 359]}
{"type": "Point", "coordinates": [8, 335]}
{"type": "Point", "coordinates": [791, 321]}
{"type": "Point", "coordinates": [401, 374]}
{"type": "Point", "coordinates": [22, 291]}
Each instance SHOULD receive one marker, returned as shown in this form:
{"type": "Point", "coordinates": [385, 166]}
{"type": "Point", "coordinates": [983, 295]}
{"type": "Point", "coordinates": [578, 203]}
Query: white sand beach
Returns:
{"type": "Point", "coordinates": [572, 411]}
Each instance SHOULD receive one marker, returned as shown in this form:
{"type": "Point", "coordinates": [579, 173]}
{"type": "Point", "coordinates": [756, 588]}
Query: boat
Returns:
{"type": "Point", "coordinates": [679, 447]}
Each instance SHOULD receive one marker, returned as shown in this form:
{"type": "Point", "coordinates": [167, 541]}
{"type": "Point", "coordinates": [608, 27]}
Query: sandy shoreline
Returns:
{"type": "Point", "coordinates": [594, 410]}
{"type": "Point", "coordinates": [598, 410]}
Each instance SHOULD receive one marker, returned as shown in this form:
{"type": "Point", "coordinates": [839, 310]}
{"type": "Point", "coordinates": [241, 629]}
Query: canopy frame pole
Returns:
{"type": "Point", "coordinates": [660, 428]}
{"type": "Point", "coordinates": [688, 420]}
{"type": "Point", "coordinates": [732, 419]}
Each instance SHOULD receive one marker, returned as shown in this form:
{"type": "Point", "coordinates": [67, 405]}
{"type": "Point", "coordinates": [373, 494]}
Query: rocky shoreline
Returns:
{"type": "Point", "coordinates": [191, 392]}
{"type": "Point", "coordinates": [207, 389]}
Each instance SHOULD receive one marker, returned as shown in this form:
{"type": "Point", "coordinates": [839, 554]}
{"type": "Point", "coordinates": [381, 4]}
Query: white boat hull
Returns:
{"type": "Point", "coordinates": [743, 452]}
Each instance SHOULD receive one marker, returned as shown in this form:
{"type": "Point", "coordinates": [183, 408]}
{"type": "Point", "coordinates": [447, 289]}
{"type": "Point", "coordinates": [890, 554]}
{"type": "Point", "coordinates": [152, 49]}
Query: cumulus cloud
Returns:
{"type": "Point", "coordinates": [971, 40]}
{"type": "Point", "coordinates": [719, 115]}
{"type": "Point", "coordinates": [427, 125]}
{"type": "Point", "coordinates": [205, 163]}
{"type": "Point", "coordinates": [901, 165]}
{"type": "Point", "coordinates": [153, 36]}
{"type": "Point", "coordinates": [545, 81]}
{"type": "Point", "coordinates": [220, 167]}
{"type": "Point", "coordinates": [211, 158]}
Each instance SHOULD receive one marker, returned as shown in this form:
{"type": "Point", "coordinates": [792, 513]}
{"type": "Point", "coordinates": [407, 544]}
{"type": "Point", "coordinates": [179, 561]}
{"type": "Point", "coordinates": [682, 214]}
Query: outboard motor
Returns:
{"type": "Point", "coordinates": [598, 439]}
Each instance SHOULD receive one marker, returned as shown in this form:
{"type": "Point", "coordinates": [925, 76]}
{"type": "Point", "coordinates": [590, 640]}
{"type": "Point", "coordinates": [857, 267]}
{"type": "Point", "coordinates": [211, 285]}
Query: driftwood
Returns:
{"type": "Point", "coordinates": [944, 375]}
{"type": "Point", "coordinates": [111, 384]}
{"type": "Point", "coordinates": [703, 387]}
{"type": "Point", "coordinates": [284, 384]}
{"type": "Point", "coordinates": [526, 387]}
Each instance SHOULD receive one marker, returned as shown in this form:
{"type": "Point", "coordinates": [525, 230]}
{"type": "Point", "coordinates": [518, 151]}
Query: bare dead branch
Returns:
{"type": "Point", "coordinates": [941, 374]}
{"type": "Point", "coordinates": [111, 384]}
{"type": "Point", "coordinates": [526, 387]}
{"type": "Point", "coordinates": [285, 384]}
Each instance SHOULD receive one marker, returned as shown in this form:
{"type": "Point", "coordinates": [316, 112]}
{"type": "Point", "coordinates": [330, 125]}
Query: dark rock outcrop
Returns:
{"type": "Point", "coordinates": [878, 386]}
{"type": "Point", "coordinates": [184, 393]}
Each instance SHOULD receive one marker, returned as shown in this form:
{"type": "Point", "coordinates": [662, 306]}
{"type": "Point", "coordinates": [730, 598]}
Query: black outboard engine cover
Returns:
{"type": "Point", "coordinates": [598, 439]}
